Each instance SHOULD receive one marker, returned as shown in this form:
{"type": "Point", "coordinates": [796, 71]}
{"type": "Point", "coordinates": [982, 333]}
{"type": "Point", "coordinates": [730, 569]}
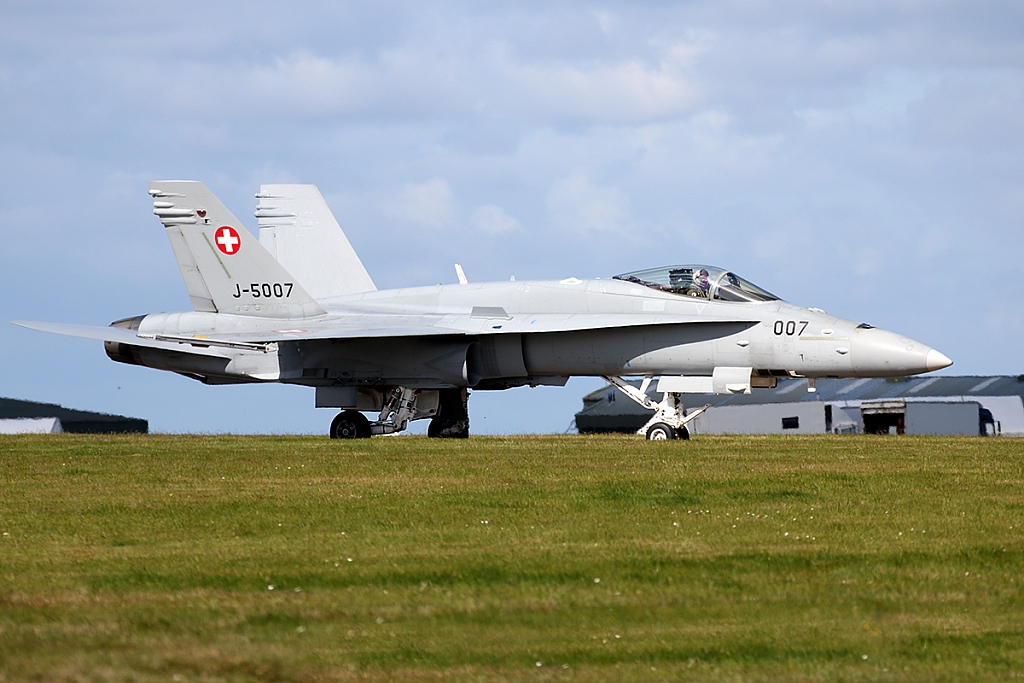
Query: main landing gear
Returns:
{"type": "Point", "coordinates": [670, 416]}
{"type": "Point", "coordinates": [452, 419]}
{"type": "Point", "coordinates": [350, 424]}
{"type": "Point", "coordinates": [447, 408]}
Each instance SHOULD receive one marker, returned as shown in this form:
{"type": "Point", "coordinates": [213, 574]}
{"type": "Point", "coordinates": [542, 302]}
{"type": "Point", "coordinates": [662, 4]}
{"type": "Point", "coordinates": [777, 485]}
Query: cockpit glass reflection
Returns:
{"type": "Point", "coordinates": [702, 282]}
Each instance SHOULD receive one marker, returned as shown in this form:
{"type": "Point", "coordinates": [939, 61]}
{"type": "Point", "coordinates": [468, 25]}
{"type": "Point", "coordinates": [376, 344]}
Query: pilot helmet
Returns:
{"type": "Point", "coordinates": [700, 278]}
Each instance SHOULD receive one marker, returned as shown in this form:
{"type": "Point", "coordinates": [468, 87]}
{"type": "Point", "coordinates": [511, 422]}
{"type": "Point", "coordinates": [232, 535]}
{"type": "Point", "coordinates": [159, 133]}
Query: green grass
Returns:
{"type": "Point", "coordinates": [601, 558]}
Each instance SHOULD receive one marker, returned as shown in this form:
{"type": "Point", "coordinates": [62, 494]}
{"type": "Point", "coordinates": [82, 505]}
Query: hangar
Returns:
{"type": "Point", "coordinates": [964, 405]}
{"type": "Point", "coordinates": [30, 417]}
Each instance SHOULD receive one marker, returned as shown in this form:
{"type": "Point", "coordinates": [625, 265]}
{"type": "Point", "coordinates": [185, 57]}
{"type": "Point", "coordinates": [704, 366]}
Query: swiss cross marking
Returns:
{"type": "Point", "coordinates": [227, 240]}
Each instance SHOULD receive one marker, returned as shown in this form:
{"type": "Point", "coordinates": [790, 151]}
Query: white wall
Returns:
{"type": "Point", "coordinates": [761, 419]}
{"type": "Point", "coordinates": [31, 425]}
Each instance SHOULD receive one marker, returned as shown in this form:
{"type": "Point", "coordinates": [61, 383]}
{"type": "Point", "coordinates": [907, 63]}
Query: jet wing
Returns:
{"type": "Point", "coordinates": [491, 321]}
{"type": "Point", "coordinates": [363, 326]}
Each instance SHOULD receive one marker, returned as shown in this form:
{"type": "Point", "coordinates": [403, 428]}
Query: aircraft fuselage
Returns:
{"type": "Point", "coordinates": [514, 332]}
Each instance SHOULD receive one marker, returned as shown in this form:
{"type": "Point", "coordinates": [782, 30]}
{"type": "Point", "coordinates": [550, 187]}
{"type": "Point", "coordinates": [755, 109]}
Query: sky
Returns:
{"type": "Point", "coordinates": [862, 157]}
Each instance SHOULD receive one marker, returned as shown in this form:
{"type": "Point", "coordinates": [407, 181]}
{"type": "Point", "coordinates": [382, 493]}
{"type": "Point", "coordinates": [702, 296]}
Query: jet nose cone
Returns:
{"type": "Point", "coordinates": [936, 360]}
{"type": "Point", "coordinates": [880, 353]}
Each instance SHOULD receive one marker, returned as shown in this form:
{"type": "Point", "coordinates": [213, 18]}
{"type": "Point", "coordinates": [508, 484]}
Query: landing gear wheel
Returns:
{"type": "Point", "coordinates": [452, 419]}
{"type": "Point", "coordinates": [350, 424]}
{"type": "Point", "coordinates": [441, 428]}
{"type": "Point", "coordinates": [683, 433]}
{"type": "Point", "coordinates": [659, 431]}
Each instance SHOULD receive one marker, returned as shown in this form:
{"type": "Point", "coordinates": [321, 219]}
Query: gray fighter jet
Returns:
{"type": "Point", "coordinates": [298, 306]}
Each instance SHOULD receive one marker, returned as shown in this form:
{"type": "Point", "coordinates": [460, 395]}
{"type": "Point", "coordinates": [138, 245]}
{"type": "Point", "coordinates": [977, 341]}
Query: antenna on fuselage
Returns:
{"type": "Point", "coordinates": [461, 273]}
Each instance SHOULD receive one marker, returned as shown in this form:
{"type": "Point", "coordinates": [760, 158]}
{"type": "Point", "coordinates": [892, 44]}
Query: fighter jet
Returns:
{"type": "Point", "coordinates": [297, 306]}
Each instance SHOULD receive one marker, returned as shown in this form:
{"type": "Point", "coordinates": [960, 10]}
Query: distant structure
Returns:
{"type": "Point", "coordinates": [985, 406]}
{"type": "Point", "coordinates": [29, 417]}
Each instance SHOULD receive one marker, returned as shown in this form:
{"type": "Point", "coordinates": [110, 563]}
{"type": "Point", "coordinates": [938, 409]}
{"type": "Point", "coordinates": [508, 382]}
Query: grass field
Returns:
{"type": "Point", "coordinates": [177, 558]}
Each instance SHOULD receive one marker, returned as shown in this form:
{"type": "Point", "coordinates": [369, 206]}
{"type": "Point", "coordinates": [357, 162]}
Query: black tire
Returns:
{"type": "Point", "coordinates": [452, 419]}
{"type": "Point", "coordinates": [659, 431]}
{"type": "Point", "coordinates": [350, 424]}
{"type": "Point", "coordinates": [441, 428]}
{"type": "Point", "coordinates": [683, 433]}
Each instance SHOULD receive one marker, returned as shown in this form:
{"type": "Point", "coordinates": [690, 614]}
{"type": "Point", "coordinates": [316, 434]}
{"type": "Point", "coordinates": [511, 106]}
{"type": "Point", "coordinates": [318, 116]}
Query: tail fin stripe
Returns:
{"type": "Point", "coordinates": [216, 255]}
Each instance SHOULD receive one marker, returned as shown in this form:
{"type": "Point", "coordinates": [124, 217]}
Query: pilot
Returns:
{"type": "Point", "coordinates": [700, 285]}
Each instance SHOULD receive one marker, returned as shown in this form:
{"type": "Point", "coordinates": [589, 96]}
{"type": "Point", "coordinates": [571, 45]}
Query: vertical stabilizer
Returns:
{"type": "Point", "coordinates": [299, 230]}
{"type": "Point", "coordinates": [224, 267]}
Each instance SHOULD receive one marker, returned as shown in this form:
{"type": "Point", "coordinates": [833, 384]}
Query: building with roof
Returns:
{"type": "Point", "coordinates": [964, 405]}
{"type": "Point", "coordinates": [30, 417]}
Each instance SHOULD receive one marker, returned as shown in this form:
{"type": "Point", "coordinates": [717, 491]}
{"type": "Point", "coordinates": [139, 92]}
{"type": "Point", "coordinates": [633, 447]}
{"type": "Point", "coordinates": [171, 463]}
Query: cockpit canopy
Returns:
{"type": "Point", "coordinates": [704, 282]}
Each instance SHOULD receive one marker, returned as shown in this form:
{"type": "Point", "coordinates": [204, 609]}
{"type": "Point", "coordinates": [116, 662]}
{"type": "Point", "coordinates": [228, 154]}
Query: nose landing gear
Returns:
{"type": "Point", "coordinates": [670, 416]}
{"type": "Point", "coordinates": [659, 431]}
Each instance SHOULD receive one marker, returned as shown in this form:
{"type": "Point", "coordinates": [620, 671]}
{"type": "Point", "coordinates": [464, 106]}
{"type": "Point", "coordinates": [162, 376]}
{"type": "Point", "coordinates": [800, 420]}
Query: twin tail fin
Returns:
{"type": "Point", "coordinates": [299, 230]}
{"type": "Point", "coordinates": [225, 268]}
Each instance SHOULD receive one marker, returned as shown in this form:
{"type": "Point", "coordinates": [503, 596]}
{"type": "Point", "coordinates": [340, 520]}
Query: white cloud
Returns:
{"type": "Point", "coordinates": [576, 204]}
{"type": "Point", "coordinates": [430, 203]}
{"type": "Point", "coordinates": [416, 80]}
{"type": "Point", "coordinates": [492, 219]}
{"type": "Point", "coordinates": [629, 90]}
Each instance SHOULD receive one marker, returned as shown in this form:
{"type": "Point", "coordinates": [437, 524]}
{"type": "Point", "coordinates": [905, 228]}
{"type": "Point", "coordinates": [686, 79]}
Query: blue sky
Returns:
{"type": "Point", "coordinates": [862, 157]}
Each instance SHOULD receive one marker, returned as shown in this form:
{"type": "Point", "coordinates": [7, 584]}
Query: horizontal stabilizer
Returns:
{"type": "Point", "coordinates": [111, 334]}
{"type": "Point", "coordinates": [358, 327]}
